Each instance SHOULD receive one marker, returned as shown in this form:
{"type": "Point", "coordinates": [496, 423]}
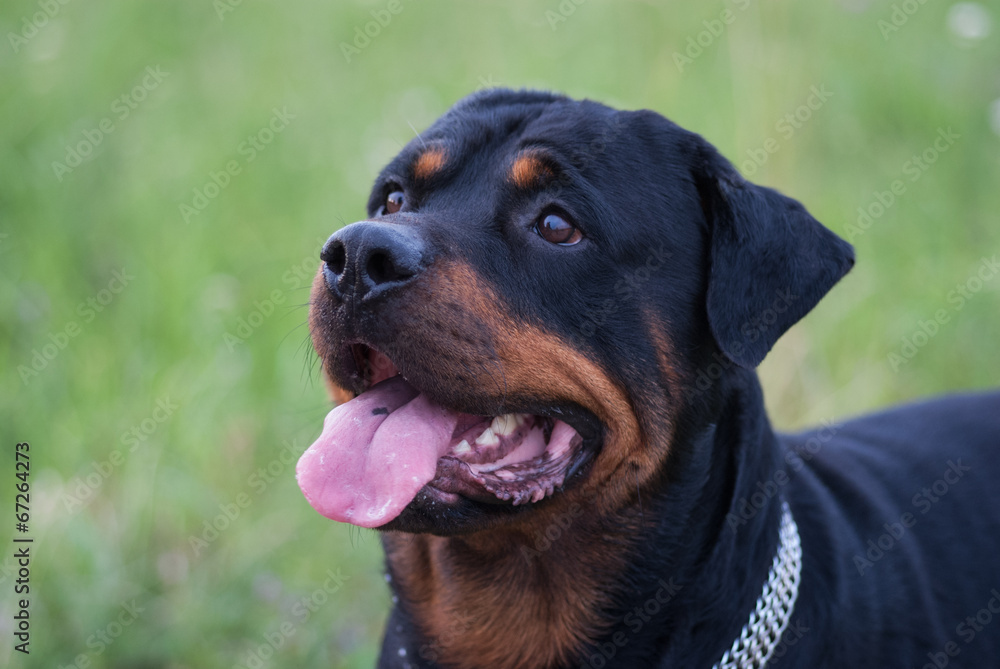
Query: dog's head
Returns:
{"type": "Point", "coordinates": [521, 319]}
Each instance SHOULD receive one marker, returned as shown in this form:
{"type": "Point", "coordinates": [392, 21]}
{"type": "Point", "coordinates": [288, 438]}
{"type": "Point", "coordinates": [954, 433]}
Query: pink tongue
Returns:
{"type": "Point", "coordinates": [375, 454]}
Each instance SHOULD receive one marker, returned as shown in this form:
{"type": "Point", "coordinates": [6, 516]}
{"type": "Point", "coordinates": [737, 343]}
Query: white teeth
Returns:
{"type": "Point", "coordinates": [487, 438]}
{"type": "Point", "coordinates": [462, 448]}
{"type": "Point", "coordinates": [501, 426]}
{"type": "Point", "coordinates": [504, 425]}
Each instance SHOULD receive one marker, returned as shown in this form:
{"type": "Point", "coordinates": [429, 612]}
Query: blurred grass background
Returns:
{"type": "Point", "coordinates": [99, 409]}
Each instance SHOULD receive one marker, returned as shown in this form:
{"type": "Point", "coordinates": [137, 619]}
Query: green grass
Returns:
{"type": "Point", "coordinates": [239, 404]}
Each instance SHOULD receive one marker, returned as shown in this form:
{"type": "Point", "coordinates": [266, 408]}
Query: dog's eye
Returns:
{"type": "Point", "coordinates": [393, 202]}
{"type": "Point", "coordinates": [555, 229]}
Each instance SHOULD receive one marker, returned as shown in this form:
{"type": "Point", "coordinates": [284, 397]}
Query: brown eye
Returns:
{"type": "Point", "coordinates": [557, 230]}
{"type": "Point", "coordinates": [394, 201]}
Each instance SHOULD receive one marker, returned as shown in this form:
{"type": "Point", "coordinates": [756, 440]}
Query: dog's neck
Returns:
{"type": "Point", "coordinates": [499, 601]}
{"type": "Point", "coordinates": [668, 560]}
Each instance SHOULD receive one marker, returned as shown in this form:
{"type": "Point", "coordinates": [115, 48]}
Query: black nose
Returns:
{"type": "Point", "coordinates": [368, 258]}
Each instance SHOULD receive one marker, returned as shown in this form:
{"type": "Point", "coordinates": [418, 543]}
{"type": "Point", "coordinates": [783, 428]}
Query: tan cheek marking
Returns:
{"type": "Point", "coordinates": [661, 400]}
{"type": "Point", "coordinates": [429, 163]}
{"type": "Point", "coordinates": [666, 355]}
{"type": "Point", "coordinates": [527, 171]}
{"type": "Point", "coordinates": [540, 363]}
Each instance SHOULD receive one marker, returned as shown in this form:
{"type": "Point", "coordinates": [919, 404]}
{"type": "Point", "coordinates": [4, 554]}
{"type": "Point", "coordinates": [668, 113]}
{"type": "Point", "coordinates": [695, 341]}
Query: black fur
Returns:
{"type": "Point", "coordinates": [637, 183]}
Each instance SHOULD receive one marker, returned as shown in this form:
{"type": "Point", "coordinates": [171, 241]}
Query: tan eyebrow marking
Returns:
{"type": "Point", "coordinates": [429, 163]}
{"type": "Point", "coordinates": [528, 169]}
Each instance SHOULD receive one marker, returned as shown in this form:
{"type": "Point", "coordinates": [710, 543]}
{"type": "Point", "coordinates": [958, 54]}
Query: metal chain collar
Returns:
{"type": "Point", "coordinates": [762, 633]}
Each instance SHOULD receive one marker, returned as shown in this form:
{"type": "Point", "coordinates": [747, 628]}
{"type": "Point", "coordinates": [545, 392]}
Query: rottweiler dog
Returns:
{"type": "Point", "coordinates": [542, 343]}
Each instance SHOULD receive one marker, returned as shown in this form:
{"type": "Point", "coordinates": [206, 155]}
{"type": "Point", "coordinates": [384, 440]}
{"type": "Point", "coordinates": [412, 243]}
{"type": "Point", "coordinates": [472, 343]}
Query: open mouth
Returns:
{"type": "Point", "coordinates": [378, 451]}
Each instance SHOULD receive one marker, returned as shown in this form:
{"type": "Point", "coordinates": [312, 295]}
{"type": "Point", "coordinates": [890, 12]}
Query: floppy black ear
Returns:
{"type": "Point", "coordinates": [770, 261]}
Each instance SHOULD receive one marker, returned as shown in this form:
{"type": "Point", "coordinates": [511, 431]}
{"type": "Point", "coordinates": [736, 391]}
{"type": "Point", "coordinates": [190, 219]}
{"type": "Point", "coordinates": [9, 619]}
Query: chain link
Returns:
{"type": "Point", "coordinates": [761, 634]}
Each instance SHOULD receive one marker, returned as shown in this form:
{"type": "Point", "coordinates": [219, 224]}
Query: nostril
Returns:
{"type": "Point", "coordinates": [335, 257]}
{"type": "Point", "coordinates": [369, 255]}
{"type": "Point", "coordinates": [382, 269]}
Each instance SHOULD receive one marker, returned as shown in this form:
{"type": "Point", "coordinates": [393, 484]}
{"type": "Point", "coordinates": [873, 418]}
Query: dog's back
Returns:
{"type": "Point", "coordinates": [915, 492]}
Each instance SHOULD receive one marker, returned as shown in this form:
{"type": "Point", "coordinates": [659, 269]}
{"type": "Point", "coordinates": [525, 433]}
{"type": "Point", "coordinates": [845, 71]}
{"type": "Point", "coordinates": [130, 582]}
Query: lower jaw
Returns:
{"type": "Point", "coordinates": [451, 491]}
{"type": "Point", "coordinates": [455, 480]}
{"type": "Point", "coordinates": [446, 509]}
